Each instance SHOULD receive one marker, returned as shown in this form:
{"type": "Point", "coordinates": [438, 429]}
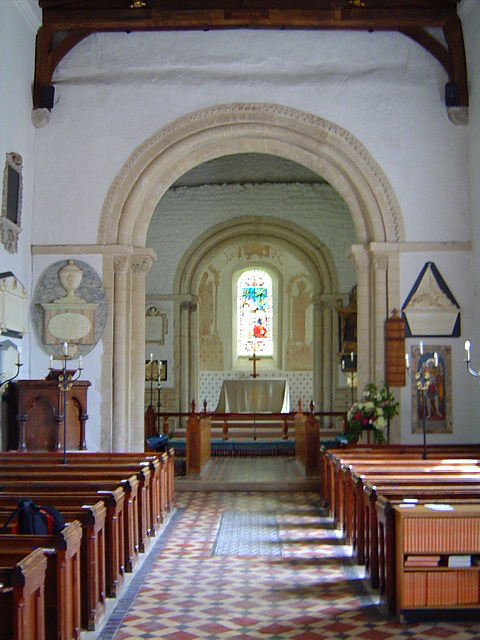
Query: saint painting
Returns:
{"type": "Point", "coordinates": [431, 388]}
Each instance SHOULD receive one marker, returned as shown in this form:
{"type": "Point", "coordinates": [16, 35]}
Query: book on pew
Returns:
{"type": "Point", "coordinates": [422, 561]}
{"type": "Point", "coordinates": [459, 561]}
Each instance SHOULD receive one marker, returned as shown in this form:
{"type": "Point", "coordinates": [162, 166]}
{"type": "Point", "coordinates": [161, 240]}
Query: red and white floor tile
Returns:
{"type": "Point", "coordinates": [310, 592]}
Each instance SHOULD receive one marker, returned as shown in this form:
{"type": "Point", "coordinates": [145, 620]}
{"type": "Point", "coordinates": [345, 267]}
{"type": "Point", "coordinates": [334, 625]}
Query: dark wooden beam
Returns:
{"type": "Point", "coordinates": [67, 22]}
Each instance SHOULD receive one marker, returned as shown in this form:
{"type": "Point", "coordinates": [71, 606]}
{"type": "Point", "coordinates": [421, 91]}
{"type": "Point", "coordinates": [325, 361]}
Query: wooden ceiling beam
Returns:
{"type": "Point", "coordinates": [67, 22]}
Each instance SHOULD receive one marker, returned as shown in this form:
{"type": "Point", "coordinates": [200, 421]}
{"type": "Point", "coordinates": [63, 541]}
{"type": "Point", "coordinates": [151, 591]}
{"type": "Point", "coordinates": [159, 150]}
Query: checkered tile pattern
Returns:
{"type": "Point", "coordinates": [311, 593]}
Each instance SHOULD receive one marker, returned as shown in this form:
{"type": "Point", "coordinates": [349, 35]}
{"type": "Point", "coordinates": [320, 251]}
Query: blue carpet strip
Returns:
{"type": "Point", "coordinates": [138, 579]}
{"type": "Point", "coordinates": [248, 534]}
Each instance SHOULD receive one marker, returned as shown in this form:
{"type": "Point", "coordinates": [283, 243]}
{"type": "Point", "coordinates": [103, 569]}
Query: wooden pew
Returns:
{"type": "Point", "coordinates": [383, 547]}
{"type": "Point", "coordinates": [348, 495]}
{"type": "Point", "coordinates": [92, 471]}
{"type": "Point", "coordinates": [22, 595]}
{"type": "Point", "coordinates": [159, 467]}
{"type": "Point", "coordinates": [332, 459]}
{"type": "Point", "coordinates": [62, 578]}
{"type": "Point", "coordinates": [114, 501]}
{"type": "Point", "coordinates": [84, 482]}
{"type": "Point", "coordinates": [92, 550]}
{"type": "Point", "coordinates": [373, 532]}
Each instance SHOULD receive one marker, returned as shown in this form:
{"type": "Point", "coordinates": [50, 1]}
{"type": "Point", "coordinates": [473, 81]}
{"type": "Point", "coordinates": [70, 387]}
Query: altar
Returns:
{"type": "Point", "coordinates": [252, 396]}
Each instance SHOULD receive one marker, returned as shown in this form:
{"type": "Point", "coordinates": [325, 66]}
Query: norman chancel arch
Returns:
{"type": "Point", "coordinates": [321, 146]}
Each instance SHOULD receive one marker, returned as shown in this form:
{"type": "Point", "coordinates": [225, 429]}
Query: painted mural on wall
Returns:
{"type": "Point", "coordinates": [211, 344]}
{"type": "Point", "coordinates": [299, 346]}
{"type": "Point", "coordinates": [431, 389]}
{"type": "Point", "coordinates": [69, 305]}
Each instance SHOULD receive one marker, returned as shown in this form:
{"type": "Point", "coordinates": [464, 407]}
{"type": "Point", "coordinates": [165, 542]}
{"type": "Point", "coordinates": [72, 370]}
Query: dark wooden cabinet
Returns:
{"type": "Point", "coordinates": [36, 415]}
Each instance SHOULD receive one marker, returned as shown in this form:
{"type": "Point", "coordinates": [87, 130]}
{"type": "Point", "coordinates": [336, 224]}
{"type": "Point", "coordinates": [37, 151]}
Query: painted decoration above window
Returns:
{"type": "Point", "coordinates": [254, 313]}
{"type": "Point", "coordinates": [430, 308]}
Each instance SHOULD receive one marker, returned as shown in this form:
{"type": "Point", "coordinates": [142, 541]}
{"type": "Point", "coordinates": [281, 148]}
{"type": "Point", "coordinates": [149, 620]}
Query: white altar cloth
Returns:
{"type": "Point", "coordinates": [250, 396]}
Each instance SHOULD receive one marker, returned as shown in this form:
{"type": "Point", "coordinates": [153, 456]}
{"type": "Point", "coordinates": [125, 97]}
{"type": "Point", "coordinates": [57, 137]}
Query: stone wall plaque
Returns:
{"type": "Point", "coordinates": [13, 306]}
{"type": "Point", "coordinates": [430, 308]}
{"type": "Point", "coordinates": [70, 306]}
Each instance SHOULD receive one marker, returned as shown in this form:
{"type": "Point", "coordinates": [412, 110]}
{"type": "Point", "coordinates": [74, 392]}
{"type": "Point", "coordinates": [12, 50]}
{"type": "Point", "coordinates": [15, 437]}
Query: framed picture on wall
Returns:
{"type": "Point", "coordinates": [156, 370]}
{"type": "Point", "coordinates": [431, 386]}
{"type": "Point", "coordinates": [155, 325]}
{"type": "Point", "coordinates": [11, 213]}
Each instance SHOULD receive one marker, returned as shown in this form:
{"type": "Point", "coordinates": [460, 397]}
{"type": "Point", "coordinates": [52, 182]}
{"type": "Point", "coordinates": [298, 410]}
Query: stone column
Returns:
{"type": "Point", "coordinates": [120, 353]}
{"type": "Point", "coordinates": [379, 262]}
{"type": "Point", "coordinates": [318, 356]}
{"type": "Point", "coordinates": [193, 354]}
{"type": "Point", "coordinates": [184, 356]}
{"type": "Point", "coordinates": [365, 327]}
{"type": "Point", "coordinates": [140, 265]}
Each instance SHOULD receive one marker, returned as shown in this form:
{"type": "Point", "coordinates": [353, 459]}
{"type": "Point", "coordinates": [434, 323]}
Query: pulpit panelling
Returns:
{"type": "Point", "coordinates": [36, 416]}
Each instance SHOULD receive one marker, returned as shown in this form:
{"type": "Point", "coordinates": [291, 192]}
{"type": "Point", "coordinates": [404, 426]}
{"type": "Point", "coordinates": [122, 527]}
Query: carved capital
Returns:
{"type": "Point", "coordinates": [141, 264]}
{"type": "Point", "coordinates": [120, 264]}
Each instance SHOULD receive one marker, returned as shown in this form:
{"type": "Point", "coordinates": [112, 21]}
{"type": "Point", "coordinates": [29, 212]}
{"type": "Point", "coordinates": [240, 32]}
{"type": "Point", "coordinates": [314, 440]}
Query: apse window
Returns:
{"type": "Point", "coordinates": [255, 313]}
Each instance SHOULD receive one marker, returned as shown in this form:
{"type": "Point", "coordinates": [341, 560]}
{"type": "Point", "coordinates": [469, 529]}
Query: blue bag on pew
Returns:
{"type": "Point", "coordinates": [29, 518]}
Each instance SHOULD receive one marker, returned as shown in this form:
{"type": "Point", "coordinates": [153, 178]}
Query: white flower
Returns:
{"type": "Point", "coordinates": [380, 422]}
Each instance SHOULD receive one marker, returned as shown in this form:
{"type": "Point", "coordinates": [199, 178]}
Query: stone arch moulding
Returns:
{"type": "Point", "coordinates": [320, 145]}
{"type": "Point", "coordinates": [318, 263]}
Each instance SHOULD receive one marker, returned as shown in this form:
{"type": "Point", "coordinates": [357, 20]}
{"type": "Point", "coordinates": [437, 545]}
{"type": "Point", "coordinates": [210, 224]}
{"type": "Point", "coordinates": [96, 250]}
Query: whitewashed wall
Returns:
{"type": "Point", "coordinates": [114, 90]}
{"type": "Point", "coordinates": [470, 12]}
{"type": "Point", "coordinates": [120, 88]}
{"type": "Point", "coordinates": [19, 21]}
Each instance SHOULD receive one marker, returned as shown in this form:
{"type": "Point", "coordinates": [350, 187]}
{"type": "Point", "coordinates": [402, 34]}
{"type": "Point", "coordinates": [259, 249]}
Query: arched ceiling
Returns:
{"type": "Point", "coordinates": [248, 168]}
{"type": "Point", "coordinates": [65, 23]}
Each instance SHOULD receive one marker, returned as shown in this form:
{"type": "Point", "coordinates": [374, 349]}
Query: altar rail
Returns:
{"type": "Point", "coordinates": [330, 421]}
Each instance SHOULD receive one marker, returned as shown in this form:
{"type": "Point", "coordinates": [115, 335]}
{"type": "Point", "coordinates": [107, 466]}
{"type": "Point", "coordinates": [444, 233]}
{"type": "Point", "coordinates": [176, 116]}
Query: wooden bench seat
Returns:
{"type": "Point", "coordinates": [161, 469]}
{"type": "Point", "coordinates": [62, 578]}
{"type": "Point", "coordinates": [362, 489]}
{"type": "Point", "coordinates": [22, 595]}
{"type": "Point", "coordinates": [83, 483]}
{"type": "Point", "coordinates": [114, 501]}
{"type": "Point", "coordinates": [92, 550]}
{"type": "Point", "coordinates": [93, 472]}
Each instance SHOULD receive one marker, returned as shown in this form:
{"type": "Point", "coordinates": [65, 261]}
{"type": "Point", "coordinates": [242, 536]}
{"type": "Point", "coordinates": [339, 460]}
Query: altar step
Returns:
{"type": "Point", "coordinates": [255, 473]}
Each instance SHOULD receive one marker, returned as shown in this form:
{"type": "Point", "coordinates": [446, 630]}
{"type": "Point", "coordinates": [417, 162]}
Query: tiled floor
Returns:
{"type": "Point", "coordinates": [311, 592]}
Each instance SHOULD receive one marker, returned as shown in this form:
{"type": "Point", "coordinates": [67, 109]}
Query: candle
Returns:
{"type": "Point", "coordinates": [407, 361]}
{"type": "Point", "coordinates": [467, 349]}
{"type": "Point", "coordinates": [51, 362]}
{"type": "Point", "coordinates": [421, 348]}
{"type": "Point", "coordinates": [351, 355]}
{"type": "Point", "coordinates": [435, 358]}
{"type": "Point", "coordinates": [19, 352]}
{"type": "Point", "coordinates": [80, 362]}
{"type": "Point", "coordinates": [65, 348]}
{"type": "Point", "coordinates": [151, 357]}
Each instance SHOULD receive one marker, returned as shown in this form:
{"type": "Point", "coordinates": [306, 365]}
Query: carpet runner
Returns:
{"type": "Point", "coordinates": [248, 534]}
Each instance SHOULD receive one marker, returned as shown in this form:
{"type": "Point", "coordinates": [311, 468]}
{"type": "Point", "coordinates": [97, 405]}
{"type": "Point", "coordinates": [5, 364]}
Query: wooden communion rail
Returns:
{"type": "Point", "coordinates": [307, 430]}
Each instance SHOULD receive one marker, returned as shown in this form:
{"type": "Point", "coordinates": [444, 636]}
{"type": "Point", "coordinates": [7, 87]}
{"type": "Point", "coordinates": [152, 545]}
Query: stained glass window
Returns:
{"type": "Point", "coordinates": [254, 313]}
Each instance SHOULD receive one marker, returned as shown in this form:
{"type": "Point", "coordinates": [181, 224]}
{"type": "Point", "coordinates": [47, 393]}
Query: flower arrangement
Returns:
{"type": "Point", "coordinates": [372, 413]}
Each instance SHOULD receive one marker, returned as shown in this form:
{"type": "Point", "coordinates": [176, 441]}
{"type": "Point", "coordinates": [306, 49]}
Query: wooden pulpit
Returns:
{"type": "Point", "coordinates": [36, 415]}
